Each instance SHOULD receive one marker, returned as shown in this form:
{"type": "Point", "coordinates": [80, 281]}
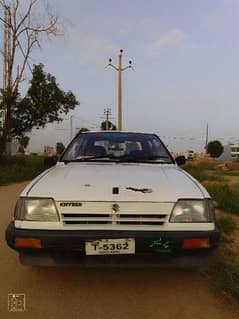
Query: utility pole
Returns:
{"type": "Point", "coordinates": [107, 117]}
{"type": "Point", "coordinates": [119, 69]}
{"type": "Point", "coordinates": [107, 113]}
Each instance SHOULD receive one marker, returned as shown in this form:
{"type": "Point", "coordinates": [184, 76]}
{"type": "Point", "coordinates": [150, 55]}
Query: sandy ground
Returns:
{"type": "Point", "coordinates": [93, 293]}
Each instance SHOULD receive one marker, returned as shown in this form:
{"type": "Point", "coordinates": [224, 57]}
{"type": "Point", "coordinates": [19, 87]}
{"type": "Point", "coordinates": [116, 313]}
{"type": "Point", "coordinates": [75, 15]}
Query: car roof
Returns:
{"type": "Point", "coordinates": [115, 131]}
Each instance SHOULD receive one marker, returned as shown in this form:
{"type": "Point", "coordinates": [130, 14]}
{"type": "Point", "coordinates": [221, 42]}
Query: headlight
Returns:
{"type": "Point", "coordinates": [193, 211]}
{"type": "Point", "coordinates": [36, 209]}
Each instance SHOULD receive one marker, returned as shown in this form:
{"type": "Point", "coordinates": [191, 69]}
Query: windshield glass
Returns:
{"type": "Point", "coordinates": [117, 146]}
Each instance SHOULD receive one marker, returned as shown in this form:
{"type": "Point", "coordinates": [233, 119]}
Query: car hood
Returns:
{"type": "Point", "coordinates": [95, 182]}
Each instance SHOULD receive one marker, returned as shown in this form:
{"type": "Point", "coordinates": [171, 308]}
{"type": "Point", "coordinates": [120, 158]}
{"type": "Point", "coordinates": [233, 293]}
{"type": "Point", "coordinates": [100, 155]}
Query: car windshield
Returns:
{"type": "Point", "coordinates": [116, 146]}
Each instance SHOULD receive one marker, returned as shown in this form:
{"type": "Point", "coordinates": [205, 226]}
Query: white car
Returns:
{"type": "Point", "coordinates": [114, 198]}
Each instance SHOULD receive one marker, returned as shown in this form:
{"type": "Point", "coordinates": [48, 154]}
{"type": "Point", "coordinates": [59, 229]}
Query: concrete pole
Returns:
{"type": "Point", "coordinates": [120, 91]}
{"type": "Point", "coordinates": [107, 120]}
{"type": "Point", "coordinates": [119, 69]}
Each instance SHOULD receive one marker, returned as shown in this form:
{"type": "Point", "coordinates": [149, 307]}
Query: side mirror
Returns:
{"type": "Point", "coordinates": [180, 160]}
{"type": "Point", "coordinates": [50, 161]}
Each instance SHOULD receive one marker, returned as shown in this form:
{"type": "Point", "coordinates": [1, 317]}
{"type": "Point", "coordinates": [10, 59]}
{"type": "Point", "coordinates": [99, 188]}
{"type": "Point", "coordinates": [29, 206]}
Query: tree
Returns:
{"type": "Point", "coordinates": [23, 141]}
{"type": "Point", "coordinates": [214, 148]}
{"type": "Point", "coordinates": [83, 129]}
{"type": "Point", "coordinates": [59, 148]}
{"type": "Point", "coordinates": [21, 149]}
{"type": "Point", "coordinates": [112, 127]}
{"type": "Point", "coordinates": [43, 103]}
{"type": "Point", "coordinates": [24, 31]}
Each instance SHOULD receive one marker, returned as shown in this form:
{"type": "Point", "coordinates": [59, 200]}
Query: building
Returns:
{"type": "Point", "coordinates": [191, 155]}
{"type": "Point", "coordinates": [14, 146]}
{"type": "Point", "coordinates": [49, 150]}
{"type": "Point", "coordinates": [235, 151]}
{"type": "Point", "coordinates": [226, 155]}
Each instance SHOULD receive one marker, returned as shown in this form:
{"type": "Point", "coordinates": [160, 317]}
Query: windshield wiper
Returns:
{"type": "Point", "coordinates": [119, 159]}
{"type": "Point", "coordinates": [145, 159]}
{"type": "Point", "coordinates": [87, 158]}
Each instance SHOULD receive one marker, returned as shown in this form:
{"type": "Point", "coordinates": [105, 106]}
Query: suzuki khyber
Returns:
{"type": "Point", "coordinates": [114, 198]}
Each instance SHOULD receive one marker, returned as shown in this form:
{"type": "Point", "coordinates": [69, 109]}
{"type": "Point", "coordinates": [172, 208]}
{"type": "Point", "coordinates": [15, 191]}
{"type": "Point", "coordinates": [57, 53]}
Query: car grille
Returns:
{"type": "Point", "coordinates": [126, 213]}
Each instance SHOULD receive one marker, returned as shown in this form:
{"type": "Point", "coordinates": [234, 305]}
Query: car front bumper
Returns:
{"type": "Point", "coordinates": [67, 247]}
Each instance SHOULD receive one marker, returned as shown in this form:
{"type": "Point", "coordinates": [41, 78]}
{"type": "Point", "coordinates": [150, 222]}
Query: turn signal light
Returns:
{"type": "Point", "coordinates": [196, 243]}
{"type": "Point", "coordinates": [28, 242]}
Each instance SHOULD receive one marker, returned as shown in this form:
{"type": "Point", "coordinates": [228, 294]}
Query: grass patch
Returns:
{"type": "Point", "coordinates": [209, 171]}
{"type": "Point", "coordinates": [225, 224]}
{"type": "Point", "coordinates": [226, 197]}
{"type": "Point", "coordinates": [196, 173]}
{"type": "Point", "coordinates": [214, 180]}
{"type": "Point", "coordinates": [227, 173]}
{"type": "Point", "coordinates": [211, 166]}
{"type": "Point", "coordinates": [201, 174]}
{"type": "Point", "coordinates": [20, 168]}
{"type": "Point", "coordinates": [224, 273]}
{"type": "Point", "coordinates": [223, 268]}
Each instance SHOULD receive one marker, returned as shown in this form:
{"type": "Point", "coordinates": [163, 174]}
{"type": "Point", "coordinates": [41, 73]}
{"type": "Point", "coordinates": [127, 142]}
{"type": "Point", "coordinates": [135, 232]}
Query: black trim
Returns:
{"type": "Point", "coordinates": [75, 239]}
{"type": "Point", "coordinates": [115, 132]}
{"type": "Point", "coordinates": [67, 247]}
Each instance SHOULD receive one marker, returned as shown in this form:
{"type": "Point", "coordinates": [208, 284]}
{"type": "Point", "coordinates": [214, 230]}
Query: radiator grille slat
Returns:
{"type": "Point", "coordinates": [103, 213]}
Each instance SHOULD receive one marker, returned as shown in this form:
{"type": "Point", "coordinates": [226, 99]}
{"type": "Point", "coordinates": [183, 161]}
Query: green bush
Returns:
{"type": "Point", "coordinates": [215, 148]}
{"type": "Point", "coordinates": [20, 168]}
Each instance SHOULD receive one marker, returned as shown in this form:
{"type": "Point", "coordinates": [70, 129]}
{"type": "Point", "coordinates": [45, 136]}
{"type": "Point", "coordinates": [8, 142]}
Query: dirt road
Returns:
{"type": "Point", "coordinates": [89, 293]}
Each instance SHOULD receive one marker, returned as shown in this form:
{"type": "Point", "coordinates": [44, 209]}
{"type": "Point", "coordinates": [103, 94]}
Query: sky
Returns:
{"type": "Point", "coordinates": [186, 68]}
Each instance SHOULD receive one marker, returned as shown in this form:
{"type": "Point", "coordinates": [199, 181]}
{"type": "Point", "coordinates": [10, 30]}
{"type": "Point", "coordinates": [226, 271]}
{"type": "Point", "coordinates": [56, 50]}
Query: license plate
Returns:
{"type": "Point", "coordinates": [110, 246]}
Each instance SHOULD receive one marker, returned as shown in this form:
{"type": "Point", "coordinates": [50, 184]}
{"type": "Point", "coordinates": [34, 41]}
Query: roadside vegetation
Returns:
{"type": "Point", "coordinates": [222, 182]}
{"type": "Point", "coordinates": [224, 274]}
{"type": "Point", "coordinates": [225, 224]}
{"type": "Point", "coordinates": [202, 175]}
{"type": "Point", "coordinates": [20, 168]}
{"type": "Point", "coordinates": [223, 268]}
{"type": "Point", "coordinates": [226, 197]}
